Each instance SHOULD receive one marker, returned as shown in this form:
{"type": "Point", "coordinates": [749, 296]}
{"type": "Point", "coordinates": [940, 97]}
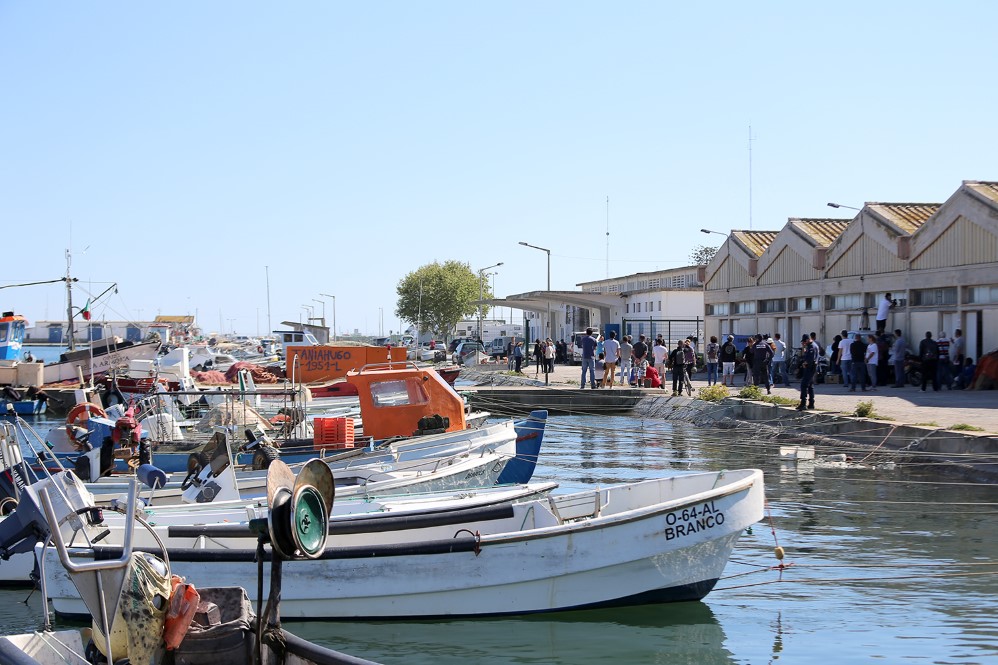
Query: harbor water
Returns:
{"type": "Point", "coordinates": [884, 562]}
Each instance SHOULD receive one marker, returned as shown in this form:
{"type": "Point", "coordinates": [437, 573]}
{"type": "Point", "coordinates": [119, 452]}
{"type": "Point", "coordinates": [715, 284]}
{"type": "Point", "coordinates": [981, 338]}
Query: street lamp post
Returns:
{"type": "Point", "coordinates": [550, 330]}
{"type": "Point", "coordinates": [481, 294]}
{"type": "Point", "coordinates": [326, 295]}
{"type": "Point", "coordinates": [323, 303]}
{"type": "Point", "coordinates": [839, 205]}
{"type": "Point", "coordinates": [311, 312]}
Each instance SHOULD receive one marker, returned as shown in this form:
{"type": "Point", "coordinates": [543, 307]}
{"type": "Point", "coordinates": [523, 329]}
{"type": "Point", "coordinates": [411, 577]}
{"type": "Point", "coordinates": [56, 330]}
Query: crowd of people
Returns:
{"type": "Point", "coordinates": [861, 360]}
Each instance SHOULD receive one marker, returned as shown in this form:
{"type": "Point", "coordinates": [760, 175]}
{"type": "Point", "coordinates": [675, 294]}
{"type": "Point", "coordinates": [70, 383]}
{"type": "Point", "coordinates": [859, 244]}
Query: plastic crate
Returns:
{"type": "Point", "coordinates": [333, 433]}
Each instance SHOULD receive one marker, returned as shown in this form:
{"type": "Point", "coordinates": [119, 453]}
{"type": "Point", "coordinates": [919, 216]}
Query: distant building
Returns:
{"type": "Point", "coordinates": [179, 328]}
{"type": "Point", "coordinates": [939, 261]}
{"type": "Point", "coordinates": [668, 302]}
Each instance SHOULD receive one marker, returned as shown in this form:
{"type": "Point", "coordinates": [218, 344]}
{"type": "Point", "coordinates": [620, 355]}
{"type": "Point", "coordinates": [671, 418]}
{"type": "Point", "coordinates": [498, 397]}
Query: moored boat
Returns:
{"type": "Point", "coordinates": [660, 540]}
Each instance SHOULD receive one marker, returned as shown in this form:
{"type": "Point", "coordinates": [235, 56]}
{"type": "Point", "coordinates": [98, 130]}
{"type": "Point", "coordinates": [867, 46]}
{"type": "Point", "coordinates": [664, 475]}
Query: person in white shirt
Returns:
{"type": "Point", "coordinates": [882, 309]}
{"type": "Point", "coordinates": [611, 347]}
{"type": "Point", "coordinates": [872, 360]}
{"type": "Point", "coordinates": [780, 361]}
{"type": "Point", "coordinates": [845, 357]}
{"type": "Point", "coordinates": [660, 352]}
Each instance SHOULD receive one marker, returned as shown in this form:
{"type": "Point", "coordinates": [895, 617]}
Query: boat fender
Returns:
{"type": "Point", "coordinates": [183, 605]}
{"type": "Point", "coordinates": [151, 476]}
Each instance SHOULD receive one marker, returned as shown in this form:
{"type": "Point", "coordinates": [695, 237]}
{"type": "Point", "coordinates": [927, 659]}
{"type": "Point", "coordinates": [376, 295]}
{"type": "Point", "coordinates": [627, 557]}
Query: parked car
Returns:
{"type": "Point", "coordinates": [452, 347]}
{"type": "Point", "coordinates": [465, 349]}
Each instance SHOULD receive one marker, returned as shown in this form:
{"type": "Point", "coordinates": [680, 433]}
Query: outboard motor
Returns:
{"type": "Point", "coordinates": [216, 480]}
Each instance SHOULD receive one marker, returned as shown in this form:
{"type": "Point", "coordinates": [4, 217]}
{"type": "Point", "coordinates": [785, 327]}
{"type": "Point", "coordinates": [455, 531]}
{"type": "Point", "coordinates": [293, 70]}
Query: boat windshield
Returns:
{"type": "Point", "coordinates": [398, 393]}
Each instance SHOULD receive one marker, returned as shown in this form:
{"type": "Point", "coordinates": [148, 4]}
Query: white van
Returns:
{"type": "Point", "coordinates": [577, 347]}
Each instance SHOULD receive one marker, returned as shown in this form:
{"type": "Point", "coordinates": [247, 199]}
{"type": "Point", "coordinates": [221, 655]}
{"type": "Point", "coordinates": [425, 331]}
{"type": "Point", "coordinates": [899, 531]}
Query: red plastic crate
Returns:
{"type": "Point", "coordinates": [333, 433]}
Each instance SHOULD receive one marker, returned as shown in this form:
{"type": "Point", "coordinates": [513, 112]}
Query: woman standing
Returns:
{"type": "Point", "coordinates": [538, 356]}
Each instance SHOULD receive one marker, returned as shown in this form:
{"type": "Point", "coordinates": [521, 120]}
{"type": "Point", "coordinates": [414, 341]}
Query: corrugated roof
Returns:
{"type": "Point", "coordinates": [907, 217]}
{"type": "Point", "coordinates": [755, 242]}
{"type": "Point", "coordinates": [822, 231]}
{"type": "Point", "coordinates": [986, 189]}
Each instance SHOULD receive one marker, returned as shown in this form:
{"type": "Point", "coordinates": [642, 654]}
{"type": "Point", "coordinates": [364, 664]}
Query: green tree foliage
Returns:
{"type": "Point", "coordinates": [702, 255]}
{"type": "Point", "coordinates": [449, 293]}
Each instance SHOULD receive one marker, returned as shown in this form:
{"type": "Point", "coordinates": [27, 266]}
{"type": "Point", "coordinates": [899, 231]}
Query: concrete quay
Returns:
{"type": "Point", "coordinates": [905, 419]}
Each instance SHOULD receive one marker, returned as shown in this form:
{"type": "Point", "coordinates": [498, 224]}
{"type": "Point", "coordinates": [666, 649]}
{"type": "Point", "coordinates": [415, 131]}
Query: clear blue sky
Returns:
{"type": "Point", "coordinates": [180, 147]}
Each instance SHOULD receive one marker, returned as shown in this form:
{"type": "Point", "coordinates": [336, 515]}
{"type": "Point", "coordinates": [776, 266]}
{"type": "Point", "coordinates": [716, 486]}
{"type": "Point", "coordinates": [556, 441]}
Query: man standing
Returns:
{"type": "Point", "coordinates": [611, 347]}
{"type": "Point", "coordinates": [780, 361]}
{"type": "Point", "coordinates": [872, 359]}
{"type": "Point", "coordinates": [589, 359]}
{"type": "Point", "coordinates": [762, 355]}
{"type": "Point", "coordinates": [958, 349]}
{"type": "Point", "coordinates": [690, 359]}
{"type": "Point", "coordinates": [729, 354]}
{"type": "Point", "coordinates": [713, 352]}
{"type": "Point", "coordinates": [928, 351]}
{"type": "Point", "coordinates": [857, 349]}
{"type": "Point", "coordinates": [625, 359]}
{"type": "Point", "coordinates": [639, 353]}
{"type": "Point", "coordinates": [808, 363]}
{"type": "Point", "coordinates": [944, 370]}
{"type": "Point", "coordinates": [898, 351]}
{"type": "Point", "coordinates": [677, 361]}
{"type": "Point", "coordinates": [882, 309]}
{"type": "Point", "coordinates": [845, 356]}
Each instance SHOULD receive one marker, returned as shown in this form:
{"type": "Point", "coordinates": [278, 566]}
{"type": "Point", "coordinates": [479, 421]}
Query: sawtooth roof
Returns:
{"type": "Point", "coordinates": [988, 190]}
{"type": "Point", "coordinates": [907, 217]}
{"type": "Point", "coordinates": [756, 242]}
{"type": "Point", "coordinates": [820, 231]}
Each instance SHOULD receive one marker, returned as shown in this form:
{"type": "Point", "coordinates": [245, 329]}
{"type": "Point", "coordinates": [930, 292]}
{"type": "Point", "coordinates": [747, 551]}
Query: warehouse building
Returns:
{"type": "Point", "coordinates": [939, 261]}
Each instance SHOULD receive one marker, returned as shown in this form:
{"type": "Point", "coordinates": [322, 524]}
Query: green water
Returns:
{"type": "Point", "coordinates": [890, 566]}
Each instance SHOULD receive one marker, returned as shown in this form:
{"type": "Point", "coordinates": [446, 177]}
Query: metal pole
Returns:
{"type": "Point", "coordinates": [270, 329]}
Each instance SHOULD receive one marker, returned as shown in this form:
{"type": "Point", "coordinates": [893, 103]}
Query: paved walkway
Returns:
{"type": "Point", "coordinates": [906, 405]}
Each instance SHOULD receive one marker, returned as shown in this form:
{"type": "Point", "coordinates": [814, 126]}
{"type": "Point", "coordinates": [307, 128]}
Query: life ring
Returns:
{"type": "Point", "coordinates": [79, 415]}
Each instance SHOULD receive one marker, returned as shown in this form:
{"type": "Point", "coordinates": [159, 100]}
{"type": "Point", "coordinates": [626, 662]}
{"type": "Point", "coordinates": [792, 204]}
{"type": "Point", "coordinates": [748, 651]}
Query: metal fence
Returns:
{"type": "Point", "coordinates": [671, 330]}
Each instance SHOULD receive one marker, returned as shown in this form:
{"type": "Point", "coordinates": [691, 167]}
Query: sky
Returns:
{"type": "Point", "coordinates": [237, 160]}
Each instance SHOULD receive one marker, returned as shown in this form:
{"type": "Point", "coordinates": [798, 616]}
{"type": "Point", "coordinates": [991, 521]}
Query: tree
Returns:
{"type": "Point", "coordinates": [437, 296]}
{"type": "Point", "coordinates": [702, 255]}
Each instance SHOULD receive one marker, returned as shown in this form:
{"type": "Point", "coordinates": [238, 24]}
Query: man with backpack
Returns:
{"type": "Point", "coordinates": [713, 352]}
{"type": "Point", "coordinates": [729, 355]}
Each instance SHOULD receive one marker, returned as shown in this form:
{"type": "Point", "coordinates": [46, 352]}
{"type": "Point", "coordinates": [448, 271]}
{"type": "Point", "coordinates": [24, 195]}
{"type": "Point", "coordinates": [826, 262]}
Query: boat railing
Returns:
{"type": "Point", "coordinates": [377, 367]}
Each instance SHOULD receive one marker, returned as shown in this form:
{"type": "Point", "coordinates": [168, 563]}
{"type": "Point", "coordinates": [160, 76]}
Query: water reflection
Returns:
{"type": "Point", "coordinates": [679, 633]}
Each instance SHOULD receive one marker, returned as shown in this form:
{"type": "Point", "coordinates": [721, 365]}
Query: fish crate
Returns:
{"type": "Point", "coordinates": [833, 378]}
{"type": "Point", "coordinates": [333, 433]}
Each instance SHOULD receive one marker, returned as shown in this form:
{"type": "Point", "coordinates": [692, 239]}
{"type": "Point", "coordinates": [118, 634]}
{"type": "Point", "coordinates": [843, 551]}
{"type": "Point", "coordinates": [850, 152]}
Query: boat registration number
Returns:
{"type": "Point", "coordinates": [689, 521]}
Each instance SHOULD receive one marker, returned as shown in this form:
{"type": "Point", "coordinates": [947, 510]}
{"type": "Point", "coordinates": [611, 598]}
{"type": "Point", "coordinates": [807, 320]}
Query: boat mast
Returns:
{"type": "Point", "coordinates": [69, 302]}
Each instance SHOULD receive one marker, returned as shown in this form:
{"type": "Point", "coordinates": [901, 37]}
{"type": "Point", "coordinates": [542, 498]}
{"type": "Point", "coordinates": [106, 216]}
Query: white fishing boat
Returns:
{"type": "Point", "coordinates": [181, 525]}
{"type": "Point", "coordinates": [654, 541]}
{"type": "Point", "coordinates": [99, 358]}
